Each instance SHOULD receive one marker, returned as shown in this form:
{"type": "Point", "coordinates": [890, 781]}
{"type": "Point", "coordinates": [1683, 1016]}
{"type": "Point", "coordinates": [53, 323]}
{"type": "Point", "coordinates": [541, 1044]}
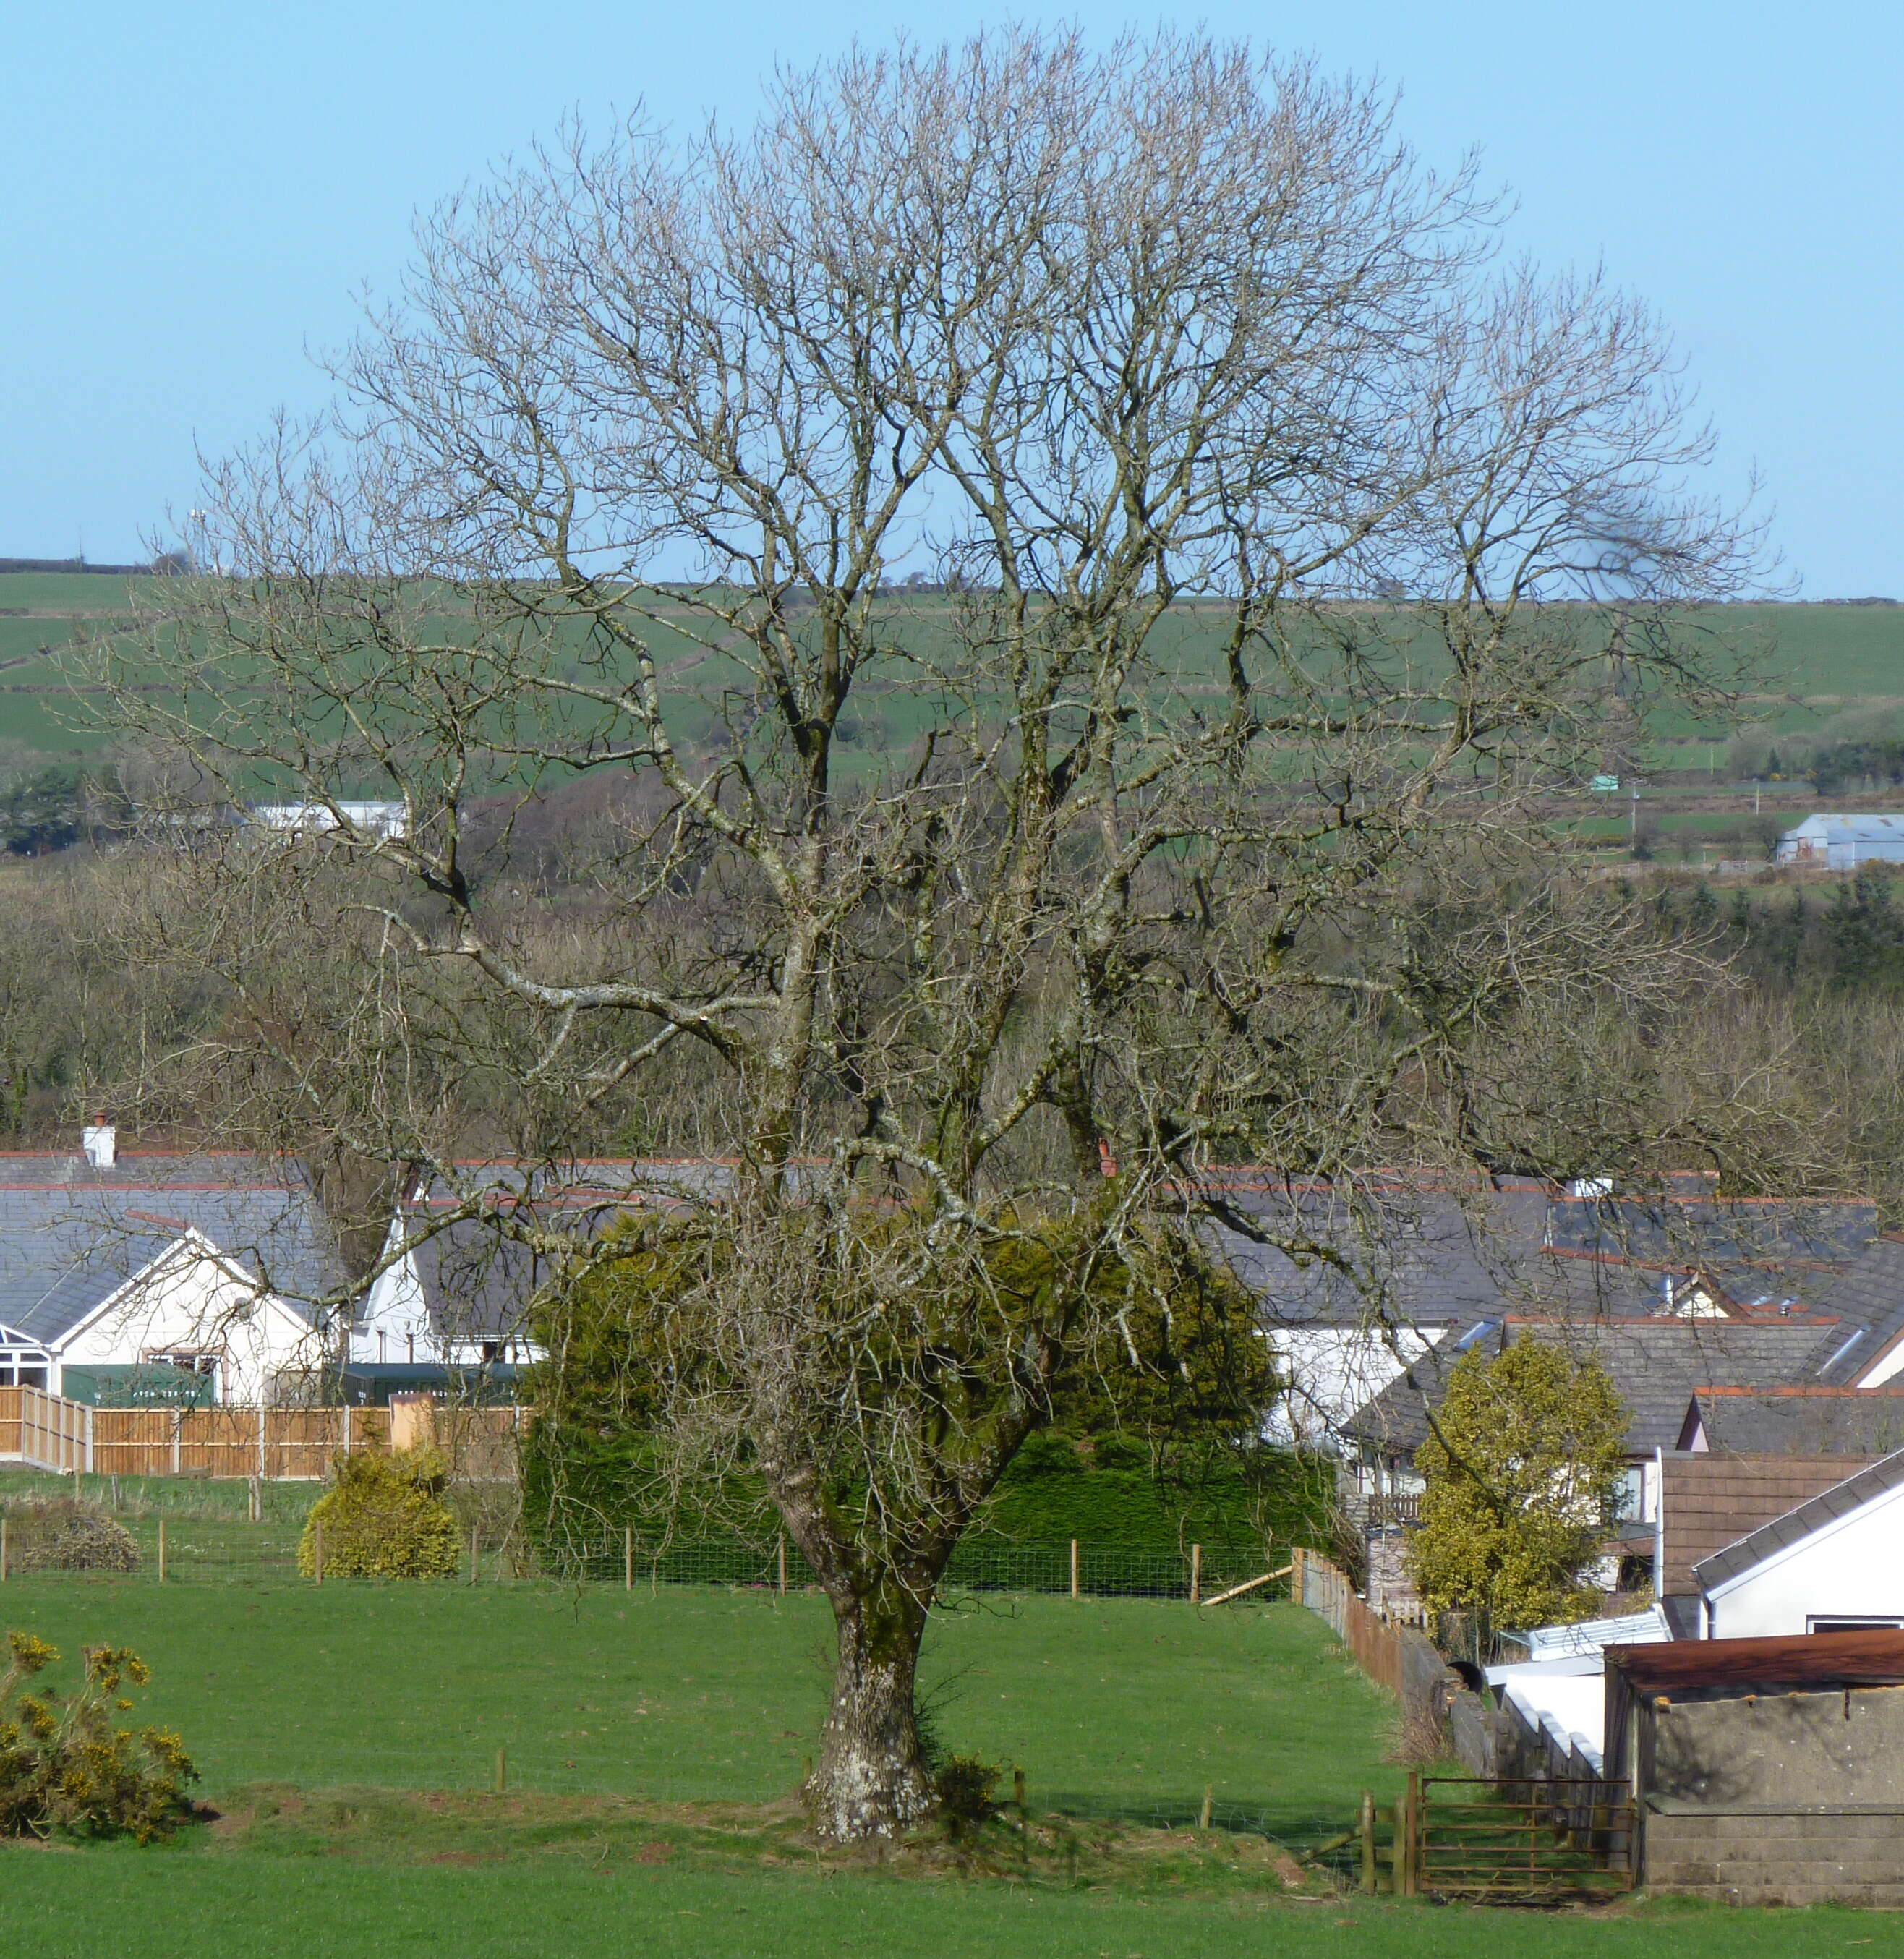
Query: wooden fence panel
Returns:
{"type": "Point", "coordinates": [289, 1444]}
{"type": "Point", "coordinates": [134, 1442]}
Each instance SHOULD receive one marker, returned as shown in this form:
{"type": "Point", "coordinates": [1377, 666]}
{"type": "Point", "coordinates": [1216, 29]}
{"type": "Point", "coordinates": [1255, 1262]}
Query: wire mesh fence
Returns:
{"type": "Point", "coordinates": [981, 1564]}
{"type": "Point", "coordinates": [249, 1532]}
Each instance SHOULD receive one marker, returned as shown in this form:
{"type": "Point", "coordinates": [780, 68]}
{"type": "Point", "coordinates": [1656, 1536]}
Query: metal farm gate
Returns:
{"type": "Point", "coordinates": [1519, 1840]}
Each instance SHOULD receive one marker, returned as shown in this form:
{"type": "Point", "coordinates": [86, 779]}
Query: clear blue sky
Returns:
{"type": "Point", "coordinates": [190, 195]}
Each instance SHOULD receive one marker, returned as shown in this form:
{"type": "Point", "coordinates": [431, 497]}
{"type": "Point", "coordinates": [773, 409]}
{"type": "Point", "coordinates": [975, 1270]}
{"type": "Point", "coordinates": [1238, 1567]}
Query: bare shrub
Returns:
{"type": "Point", "coordinates": [61, 1534]}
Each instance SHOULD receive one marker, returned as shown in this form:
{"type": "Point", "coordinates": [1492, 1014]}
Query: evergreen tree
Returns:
{"type": "Point", "coordinates": [1522, 1468]}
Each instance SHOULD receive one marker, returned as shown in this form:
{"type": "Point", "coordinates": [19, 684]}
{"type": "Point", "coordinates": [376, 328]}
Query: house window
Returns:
{"type": "Point", "coordinates": [1850, 1625]}
{"type": "Point", "coordinates": [190, 1361]}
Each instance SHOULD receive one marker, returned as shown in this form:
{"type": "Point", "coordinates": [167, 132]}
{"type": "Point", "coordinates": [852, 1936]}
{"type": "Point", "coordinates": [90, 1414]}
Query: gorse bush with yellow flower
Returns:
{"type": "Point", "coordinates": [67, 1769]}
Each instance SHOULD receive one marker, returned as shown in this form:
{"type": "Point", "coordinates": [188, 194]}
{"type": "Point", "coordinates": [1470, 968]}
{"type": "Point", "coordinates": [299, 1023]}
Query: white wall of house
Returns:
{"type": "Point", "coordinates": [192, 1300]}
{"type": "Point", "coordinates": [1334, 1372]}
{"type": "Point", "coordinates": [394, 1324]}
{"type": "Point", "coordinates": [1851, 1567]}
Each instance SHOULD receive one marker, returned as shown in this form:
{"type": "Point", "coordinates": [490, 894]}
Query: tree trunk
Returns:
{"type": "Point", "coordinates": [870, 1780]}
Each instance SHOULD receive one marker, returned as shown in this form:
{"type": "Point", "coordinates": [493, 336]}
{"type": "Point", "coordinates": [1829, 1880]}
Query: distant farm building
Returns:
{"type": "Point", "coordinates": [1843, 843]}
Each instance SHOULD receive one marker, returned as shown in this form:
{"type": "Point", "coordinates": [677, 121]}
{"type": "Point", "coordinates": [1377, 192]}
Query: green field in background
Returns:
{"type": "Point", "coordinates": [1811, 663]}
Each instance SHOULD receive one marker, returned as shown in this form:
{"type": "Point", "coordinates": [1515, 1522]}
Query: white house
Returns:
{"type": "Point", "coordinates": [161, 1277]}
{"type": "Point", "coordinates": [193, 1309]}
{"type": "Point", "coordinates": [1831, 1564]}
{"type": "Point", "coordinates": [457, 1297]}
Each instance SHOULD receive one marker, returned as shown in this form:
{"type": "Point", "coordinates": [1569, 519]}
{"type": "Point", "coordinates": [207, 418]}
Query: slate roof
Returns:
{"type": "Point", "coordinates": [1869, 1294]}
{"type": "Point", "coordinates": [1803, 1419]}
{"type": "Point", "coordinates": [477, 1284]}
{"type": "Point", "coordinates": [1655, 1364]}
{"type": "Point", "coordinates": [1433, 1256]}
{"type": "Point", "coordinates": [1800, 1522]}
{"type": "Point", "coordinates": [71, 1235]}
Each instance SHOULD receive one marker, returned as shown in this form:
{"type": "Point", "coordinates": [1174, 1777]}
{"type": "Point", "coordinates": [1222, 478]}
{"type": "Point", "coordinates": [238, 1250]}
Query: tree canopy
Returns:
{"type": "Point", "coordinates": [1523, 1468]}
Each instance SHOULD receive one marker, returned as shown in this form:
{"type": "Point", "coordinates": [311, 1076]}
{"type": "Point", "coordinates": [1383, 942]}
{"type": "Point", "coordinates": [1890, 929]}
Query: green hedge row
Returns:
{"type": "Point", "coordinates": [1054, 1491]}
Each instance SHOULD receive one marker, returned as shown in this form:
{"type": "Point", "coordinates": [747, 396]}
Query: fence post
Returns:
{"type": "Point", "coordinates": [161, 1550]}
{"type": "Point", "coordinates": [475, 1552]}
{"type": "Point", "coordinates": [501, 1768]}
{"type": "Point", "coordinates": [1299, 1577]}
{"type": "Point", "coordinates": [1203, 1815]}
{"type": "Point", "coordinates": [1074, 1574]}
{"type": "Point", "coordinates": [177, 1430]}
{"type": "Point", "coordinates": [782, 1561]}
{"type": "Point", "coordinates": [346, 1428]}
{"type": "Point", "coordinates": [3, 1547]}
{"type": "Point", "coordinates": [628, 1559]}
{"type": "Point", "coordinates": [1367, 1832]}
{"type": "Point", "coordinates": [1196, 1574]}
{"type": "Point", "coordinates": [1407, 1876]}
{"type": "Point", "coordinates": [89, 1438]}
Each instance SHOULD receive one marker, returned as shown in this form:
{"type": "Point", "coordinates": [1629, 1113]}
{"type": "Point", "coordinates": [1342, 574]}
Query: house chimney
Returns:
{"type": "Point", "coordinates": [97, 1140]}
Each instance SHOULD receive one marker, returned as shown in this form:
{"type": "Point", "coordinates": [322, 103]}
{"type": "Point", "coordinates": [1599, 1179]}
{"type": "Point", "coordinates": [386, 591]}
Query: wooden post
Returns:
{"type": "Point", "coordinates": [1196, 1574]}
{"type": "Point", "coordinates": [1367, 1833]}
{"type": "Point", "coordinates": [1299, 1575]}
{"type": "Point", "coordinates": [3, 1547]}
{"type": "Point", "coordinates": [1018, 1788]}
{"type": "Point", "coordinates": [1203, 1815]}
{"type": "Point", "coordinates": [317, 1549]}
{"type": "Point", "coordinates": [161, 1550]}
{"type": "Point", "coordinates": [628, 1559]}
{"type": "Point", "coordinates": [782, 1562]}
{"type": "Point", "coordinates": [1407, 1876]}
{"type": "Point", "coordinates": [346, 1428]}
{"type": "Point", "coordinates": [475, 1552]}
{"type": "Point", "coordinates": [89, 1438]}
{"type": "Point", "coordinates": [1074, 1568]}
{"type": "Point", "coordinates": [501, 1768]}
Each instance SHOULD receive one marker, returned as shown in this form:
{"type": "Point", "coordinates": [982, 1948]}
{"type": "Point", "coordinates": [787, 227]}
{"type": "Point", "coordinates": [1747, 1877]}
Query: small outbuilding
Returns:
{"type": "Point", "coordinates": [1765, 1772]}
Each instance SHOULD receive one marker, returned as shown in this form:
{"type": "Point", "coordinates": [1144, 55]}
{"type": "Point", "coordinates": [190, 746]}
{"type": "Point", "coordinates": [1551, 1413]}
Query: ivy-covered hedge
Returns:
{"type": "Point", "coordinates": [1105, 1494]}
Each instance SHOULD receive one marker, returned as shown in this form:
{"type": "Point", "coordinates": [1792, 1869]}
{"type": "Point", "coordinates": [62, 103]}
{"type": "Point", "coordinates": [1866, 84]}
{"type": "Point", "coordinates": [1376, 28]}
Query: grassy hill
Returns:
{"type": "Point", "coordinates": [1815, 665]}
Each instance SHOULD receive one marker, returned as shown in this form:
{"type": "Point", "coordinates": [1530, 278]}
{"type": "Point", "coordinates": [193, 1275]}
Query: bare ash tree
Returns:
{"type": "Point", "coordinates": [1283, 544]}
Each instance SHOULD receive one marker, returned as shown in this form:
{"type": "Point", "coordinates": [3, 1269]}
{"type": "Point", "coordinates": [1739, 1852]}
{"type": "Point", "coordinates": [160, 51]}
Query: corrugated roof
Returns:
{"type": "Point", "coordinates": [1794, 1525]}
{"type": "Point", "coordinates": [1846, 825]}
{"type": "Point", "coordinates": [1870, 1659]}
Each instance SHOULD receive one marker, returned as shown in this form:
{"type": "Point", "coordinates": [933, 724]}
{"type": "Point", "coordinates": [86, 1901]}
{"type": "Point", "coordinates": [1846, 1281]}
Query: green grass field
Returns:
{"type": "Point", "coordinates": [1127, 1707]}
{"type": "Point", "coordinates": [348, 1736]}
{"type": "Point", "coordinates": [171, 1905]}
{"type": "Point", "coordinates": [1812, 663]}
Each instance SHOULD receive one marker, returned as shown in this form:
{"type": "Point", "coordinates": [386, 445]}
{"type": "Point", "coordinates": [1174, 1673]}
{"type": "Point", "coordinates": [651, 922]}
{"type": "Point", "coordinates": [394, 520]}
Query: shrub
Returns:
{"type": "Point", "coordinates": [65, 1767]}
{"type": "Point", "coordinates": [385, 1517]}
{"type": "Point", "coordinates": [61, 1534]}
{"type": "Point", "coordinates": [963, 1785]}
